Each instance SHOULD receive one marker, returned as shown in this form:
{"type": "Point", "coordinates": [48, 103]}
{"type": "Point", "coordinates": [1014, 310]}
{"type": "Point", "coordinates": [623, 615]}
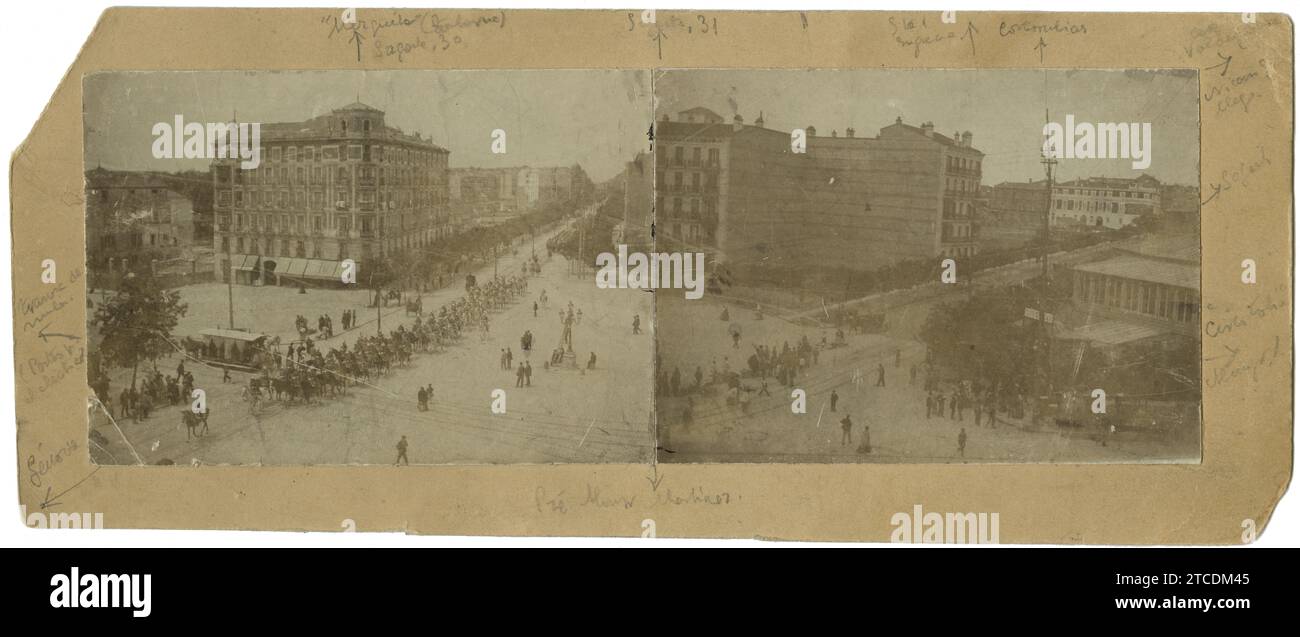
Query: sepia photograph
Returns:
{"type": "Point", "coordinates": [930, 265]}
{"type": "Point", "coordinates": [697, 276]}
{"type": "Point", "coordinates": [346, 267]}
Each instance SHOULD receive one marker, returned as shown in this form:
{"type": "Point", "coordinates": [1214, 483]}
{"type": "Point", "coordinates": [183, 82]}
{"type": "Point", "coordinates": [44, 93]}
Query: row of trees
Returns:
{"type": "Point", "coordinates": [848, 283]}
{"type": "Point", "coordinates": [467, 249]}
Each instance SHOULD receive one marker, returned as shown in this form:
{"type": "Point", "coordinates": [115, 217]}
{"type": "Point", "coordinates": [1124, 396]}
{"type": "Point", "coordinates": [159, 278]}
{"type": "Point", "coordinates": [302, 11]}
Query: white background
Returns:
{"type": "Point", "coordinates": [42, 39]}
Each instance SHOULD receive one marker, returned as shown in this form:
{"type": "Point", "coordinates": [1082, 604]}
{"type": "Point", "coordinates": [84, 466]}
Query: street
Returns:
{"type": "Point", "coordinates": [564, 415]}
{"type": "Point", "coordinates": [691, 334]}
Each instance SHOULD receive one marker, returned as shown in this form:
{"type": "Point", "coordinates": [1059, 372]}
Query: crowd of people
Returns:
{"type": "Point", "coordinates": [306, 371]}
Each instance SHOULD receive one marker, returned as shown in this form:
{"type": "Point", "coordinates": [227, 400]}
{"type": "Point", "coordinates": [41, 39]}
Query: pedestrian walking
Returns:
{"type": "Point", "coordinates": [865, 446]}
{"type": "Point", "coordinates": [880, 374]}
{"type": "Point", "coordinates": [423, 398]}
{"type": "Point", "coordinates": [961, 443]}
{"type": "Point", "coordinates": [835, 399]}
{"type": "Point", "coordinates": [846, 426]}
{"type": "Point", "coordinates": [519, 376]}
{"type": "Point", "coordinates": [528, 373]}
{"type": "Point", "coordinates": [636, 324]}
{"type": "Point", "coordinates": [401, 453]}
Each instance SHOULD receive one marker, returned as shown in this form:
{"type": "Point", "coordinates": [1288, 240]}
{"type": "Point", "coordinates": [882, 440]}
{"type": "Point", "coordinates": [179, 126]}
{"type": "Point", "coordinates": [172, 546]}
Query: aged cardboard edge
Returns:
{"type": "Point", "coordinates": [1247, 454]}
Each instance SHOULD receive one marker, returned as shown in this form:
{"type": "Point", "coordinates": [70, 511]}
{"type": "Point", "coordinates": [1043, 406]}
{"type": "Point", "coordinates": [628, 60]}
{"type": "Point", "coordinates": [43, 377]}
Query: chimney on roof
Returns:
{"type": "Point", "coordinates": [759, 122]}
{"type": "Point", "coordinates": [811, 131]}
{"type": "Point", "coordinates": [835, 133]}
{"type": "Point", "coordinates": [737, 122]}
{"type": "Point", "coordinates": [928, 129]}
{"type": "Point", "coordinates": [898, 120]}
{"type": "Point", "coordinates": [966, 139]}
{"type": "Point", "coordinates": [848, 132]}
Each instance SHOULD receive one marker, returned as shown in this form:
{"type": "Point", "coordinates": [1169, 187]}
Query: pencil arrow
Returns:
{"type": "Point", "coordinates": [50, 501]}
{"type": "Point", "coordinates": [357, 37]}
{"type": "Point", "coordinates": [45, 336]}
{"type": "Point", "coordinates": [654, 482]}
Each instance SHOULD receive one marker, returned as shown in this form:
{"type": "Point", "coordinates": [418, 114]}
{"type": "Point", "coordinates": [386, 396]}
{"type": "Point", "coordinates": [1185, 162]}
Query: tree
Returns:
{"type": "Point", "coordinates": [136, 323]}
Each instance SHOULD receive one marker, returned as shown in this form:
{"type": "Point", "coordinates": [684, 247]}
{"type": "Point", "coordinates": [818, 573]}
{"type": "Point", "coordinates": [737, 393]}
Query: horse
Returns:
{"type": "Point", "coordinates": [192, 421]}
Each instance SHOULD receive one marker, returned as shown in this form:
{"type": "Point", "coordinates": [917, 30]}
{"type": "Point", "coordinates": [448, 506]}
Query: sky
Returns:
{"type": "Point", "coordinates": [596, 118]}
{"type": "Point", "coordinates": [1004, 109]}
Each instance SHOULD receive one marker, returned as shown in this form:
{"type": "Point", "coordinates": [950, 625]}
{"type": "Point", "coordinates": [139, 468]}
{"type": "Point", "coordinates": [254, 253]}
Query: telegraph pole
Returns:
{"type": "Point", "coordinates": [1049, 166]}
{"type": "Point", "coordinates": [230, 269]}
{"type": "Point", "coordinates": [230, 284]}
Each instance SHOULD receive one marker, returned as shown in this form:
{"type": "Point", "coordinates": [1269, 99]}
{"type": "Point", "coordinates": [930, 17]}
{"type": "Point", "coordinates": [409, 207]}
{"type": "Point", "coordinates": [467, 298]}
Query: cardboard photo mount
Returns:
{"type": "Point", "coordinates": [1246, 65]}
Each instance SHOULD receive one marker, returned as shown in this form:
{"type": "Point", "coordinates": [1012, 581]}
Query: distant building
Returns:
{"type": "Point", "coordinates": [637, 196]}
{"type": "Point", "coordinates": [1017, 214]}
{"type": "Point", "coordinates": [1024, 197]}
{"type": "Point", "coordinates": [1181, 203]}
{"type": "Point", "coordinates": [344, 185]}
{"type": "Point", "coordinates": [848, 201]}
{"type": "Point", "coordinates": [134, 218]}
{"type": "Point", "coordinates": [1102, 202]}
{"type": "Point", "coordinates": [485, 196]}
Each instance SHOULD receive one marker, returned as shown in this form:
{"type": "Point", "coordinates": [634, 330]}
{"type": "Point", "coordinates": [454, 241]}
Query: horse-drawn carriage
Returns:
{"type": "Point", "coordinates": [233, 349]}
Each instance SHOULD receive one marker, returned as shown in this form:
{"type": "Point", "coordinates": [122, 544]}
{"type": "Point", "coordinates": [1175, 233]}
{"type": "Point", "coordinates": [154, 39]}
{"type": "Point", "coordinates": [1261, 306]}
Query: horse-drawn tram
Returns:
{"type": "Point", "coordinates": [234, 349]}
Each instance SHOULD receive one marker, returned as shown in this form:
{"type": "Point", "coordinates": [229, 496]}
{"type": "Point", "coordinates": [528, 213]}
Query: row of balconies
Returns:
{"type": "Point", "coordinates": [335, 182]}
{"type": "Point", "coordinates": [689, 163]}
{"type": "Point", "coordinates": [322, 233]}
{"type": "Point", "coordinates": [704, 188]}
{"type": "Point", "coordinates": [335, 205]}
